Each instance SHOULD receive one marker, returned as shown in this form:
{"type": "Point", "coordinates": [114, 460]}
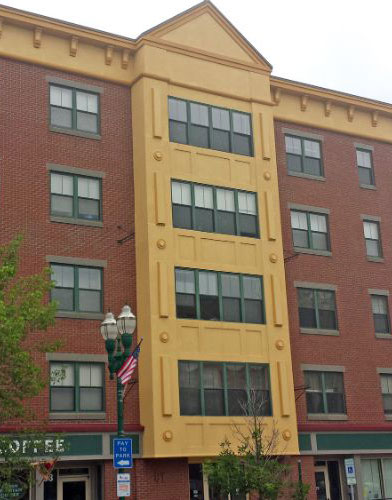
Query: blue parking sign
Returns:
{"type": "Point", "coordinates": [122, 453]}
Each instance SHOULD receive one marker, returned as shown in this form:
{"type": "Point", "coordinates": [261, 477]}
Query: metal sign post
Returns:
{"type": "Point", "coordinates": [350, 475]}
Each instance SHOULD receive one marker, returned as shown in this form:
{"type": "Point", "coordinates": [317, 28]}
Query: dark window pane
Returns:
{"type": "Point", "coordinates": [242, 144]}
{"type": "Point", "coordinates": [294, 163]}
{"type": "Point", "coordinates": [182, 216]}
{"type": "Point", "coordinates": [381, 323]}
{"type": "Point", "coordinates": [373, 248]}
{"type": "Point", "coordinates": [189, 381]}
{"type": "Point", "coordinates": [300, 238]}
{"type": "Point", "coordinates": [253, 311]}
{"type": "Point", "coordinates": [312, 166]}
{"type": "Point", "coordinates": [87, 122]}
{"type": "Point", "coordinates": [88, 209]}
{"type": "Point", "coordinates": [91, 399]}
{"type": "Point", "coordinates": [90, 301]}
{"type": "Point", "coordinates": [365, 176]}
{"type": "Point", "coordinates": [62, 399]}
{"type": "Point", "coordinates": [198, 136]}
{"type": "Point", "coordinates": [319, 241]}
{"type": "Point", "coordinates": [335, 403]}
{"type": "Point", "coordinates": [220, 140]}
{"type": "Point", "coordinates": [65, 298]}
{"type": "Point", "coordinates": [190, 401]}
{"type": "Point", "coordinates": [62, 205]}
{"type": "Point", "coordinates": [60, 117]}
{"type": "Point", "coordinates": [314, 402]}
{"type": "Point", "coordinates": [248, 225]}
{"type": "Point", "coordinates": [387, 399]}
{"type": "Point", "coordinates": [213, 389]}
{"type": "Point", "coordinates": [231, 309]}
{"type": "Point", "coordinates": [225, 222]}
{"type": "Point", "coordinates": [327, 319]}
{"type": "Point", "coordinates": [204, 219]}
{"type": "Point", "coordinates": [178, 132]}
{"type": "Point", "coordinates": [186, 305]}
{"type": "Point", "coordinates": [307, 318]}
{"type": "Point", "coordinates": [209, 307]}
{"type": "Point", "coordinates": [236, 389]}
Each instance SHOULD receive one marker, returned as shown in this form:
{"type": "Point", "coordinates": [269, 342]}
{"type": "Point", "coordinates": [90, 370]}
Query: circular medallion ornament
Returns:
{"type": "Point", "coordinates": [273, 258]}
{"type": "Point", "coordinates": [267, 176]}
{"type": "Point", "coordinates": [279, 344]}
{"type": "Point", "coordinates": [158, 155]}
{"type": "Point", "coordinates": [286, 434]}
{"type": "Point", "coordinates": [161, 244]}
{"type": "Point", "coordinates": [164, 337]}
{"type": "Point", "coordinates": [167, 436]}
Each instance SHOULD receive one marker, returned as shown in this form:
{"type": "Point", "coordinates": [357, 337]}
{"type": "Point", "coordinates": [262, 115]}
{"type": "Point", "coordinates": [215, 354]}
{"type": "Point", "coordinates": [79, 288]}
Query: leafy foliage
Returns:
{"type": "Point", "coordinates": [22, 311]}
{"type": "Point", "coordinates": [255, 466]}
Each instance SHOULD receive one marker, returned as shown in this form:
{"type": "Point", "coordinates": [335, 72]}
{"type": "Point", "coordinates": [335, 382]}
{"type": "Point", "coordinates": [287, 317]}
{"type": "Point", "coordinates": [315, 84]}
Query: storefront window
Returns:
{"type": "Point", "coordinates": [371, 479]}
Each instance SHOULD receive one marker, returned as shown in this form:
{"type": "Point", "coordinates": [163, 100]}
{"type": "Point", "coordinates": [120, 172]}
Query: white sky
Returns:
{"type": "Point", "coordinates": [339, 44]}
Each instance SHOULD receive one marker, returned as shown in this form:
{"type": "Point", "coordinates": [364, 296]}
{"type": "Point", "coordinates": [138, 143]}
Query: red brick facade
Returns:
{"type": "Point", "coordinates": [356, 347]}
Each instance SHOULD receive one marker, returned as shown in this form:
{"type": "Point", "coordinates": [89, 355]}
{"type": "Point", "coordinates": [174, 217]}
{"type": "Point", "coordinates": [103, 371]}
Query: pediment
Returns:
{"type": "Point", "coordinates": [203, 28]}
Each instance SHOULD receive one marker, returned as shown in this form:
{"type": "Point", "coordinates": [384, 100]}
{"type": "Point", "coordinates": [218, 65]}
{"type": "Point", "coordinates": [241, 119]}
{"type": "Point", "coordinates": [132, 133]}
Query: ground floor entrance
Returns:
{"type": "Point", "coordinates": [328, 480]}
{"type": "Point", "coordinates": [71, 482]}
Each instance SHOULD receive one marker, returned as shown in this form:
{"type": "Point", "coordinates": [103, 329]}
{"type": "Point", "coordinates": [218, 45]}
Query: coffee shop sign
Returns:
{"type": "Point", "coordinates": [35, 446]}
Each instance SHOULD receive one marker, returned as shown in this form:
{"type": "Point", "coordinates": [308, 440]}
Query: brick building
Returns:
{"type": "Point", "coordinates": [334, 194]}
{"type": "Point", "coordinates": [173, 172]}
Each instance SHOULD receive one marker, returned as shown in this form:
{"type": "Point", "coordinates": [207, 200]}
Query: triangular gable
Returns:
{"type": "Point", "coordinates": [204, 28]}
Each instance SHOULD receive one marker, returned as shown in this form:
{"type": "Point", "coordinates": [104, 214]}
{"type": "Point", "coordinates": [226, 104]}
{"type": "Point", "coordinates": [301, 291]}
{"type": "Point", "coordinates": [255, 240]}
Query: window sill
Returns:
{"type": "Point", "coordinates": [79, 315]}
{"type": "Point", "coordinates": [387, 336]}
{"type": "Point", "coordinates": [77, 416]}
{"type": "Point", "coordinates": [319, 331]}
{"type": "Point", "coordinates": [77, 222]}
{"type": "Point", "coordinates": [327, 416]}
{"type": "Point", "coordinates": [77, 133]}
{"type": "Point", "coordinates": [388, 417]}
{"type": "Point", "coordinates": [307, 176]}
{"type": "Point", "coordinates": [368, 186]}
{"type": "Point", "coordinates": [375, 259]}
{"type": "Point", "coordinates": [324, 253]}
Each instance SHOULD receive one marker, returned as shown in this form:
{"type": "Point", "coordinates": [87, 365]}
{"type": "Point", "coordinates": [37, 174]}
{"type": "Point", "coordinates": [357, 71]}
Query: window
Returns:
{"type": "Point", "coordinates": [386, 390]}
{"type": "Point", "coordinates": [210, 127]}
{"type": "Point", "coordinates": [219, 296]}
{"type": "Point", "coordinates": [324, 392]}
{"type": "Point", "coordinates": [380, 313]}
{"type": "Point", "coordinates": [75, 196]}
{"type": "Point", "coordinates": [303, 156]}
{"type": "Point", "coordinates": [213, 388]}
{"type": "Point", "coordinates": [74, 109]}
{"type": "Point", "coordinates": [371, 231]}
{"type": "Point", "coordinates": [365, 167]}
{"type": "Point", "coordinates": [214, 210]}
{"type": "Point", "coordinates": [376, 478]}
{"type": "Point", "coordinates": [317, 309]}
{"type": "Point", "coordinates": [76, 387]}
{"type": "Point", "coordinates": [310, 230]}
{"type": "Point", "coordinates": [77, 288]}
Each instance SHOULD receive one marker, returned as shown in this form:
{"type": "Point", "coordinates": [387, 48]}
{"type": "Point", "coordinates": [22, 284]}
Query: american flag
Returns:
{"type": "Point", "coordinates": [129, 366]}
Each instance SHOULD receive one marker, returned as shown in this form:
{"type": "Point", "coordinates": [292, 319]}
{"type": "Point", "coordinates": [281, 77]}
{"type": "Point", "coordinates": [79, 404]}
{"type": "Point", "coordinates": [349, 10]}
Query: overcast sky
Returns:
{"type": "Point", "coordinates": [339, 44]}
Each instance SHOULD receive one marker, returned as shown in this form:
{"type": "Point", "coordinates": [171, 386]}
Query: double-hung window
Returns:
{"type": "Point", "coordinates": [371, 231]}
{"type": "Point", "coordinates": [76, 387]}
{"type": "Point", "coordinates": [216, 389]}
{"type": "Point", "coordinates": [219, 296]}
{"type": "Point", "coordinates": [210, 127]}
{"type": "Point", "coordinates": [386, 391]}
{"type": "Point", "coordinates": [77, 288]}
{"type": "Point", "coordinates": [365, 167]}
{"type": "Point", "coordinates": [303, 156]}
{"type": "Point", "coordinates": [310, 230]}
{"type": "Point", "coordinates": [74, 109]}
{"type": "Point", "coordinates": [380, 313]}
{"type": "Point", "coordinates": [212, 209]}
{"type": "Point", "coordinates": [324, 392]}
{"type": "Point", "coordinates": [75, 196]}
{"type": "Point", "coordinates": [317, 309]}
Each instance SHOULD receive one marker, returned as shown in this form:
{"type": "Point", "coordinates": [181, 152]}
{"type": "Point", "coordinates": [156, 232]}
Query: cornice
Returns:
{"type": "Point", "coordinates": [279, 85]}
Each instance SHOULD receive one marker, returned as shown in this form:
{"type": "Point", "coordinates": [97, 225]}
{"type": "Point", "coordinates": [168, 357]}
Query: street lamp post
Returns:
{"type": "Point", "coordinates": [118, 342]}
